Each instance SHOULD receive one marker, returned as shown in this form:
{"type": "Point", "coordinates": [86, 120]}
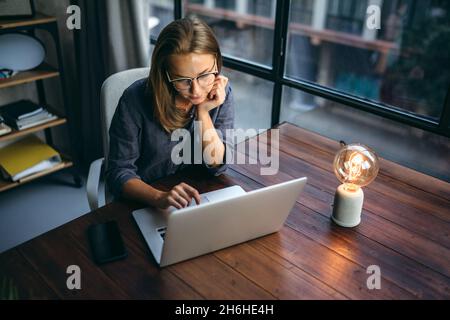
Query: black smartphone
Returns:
{"type": "Point", "coordinates": [106, 242]}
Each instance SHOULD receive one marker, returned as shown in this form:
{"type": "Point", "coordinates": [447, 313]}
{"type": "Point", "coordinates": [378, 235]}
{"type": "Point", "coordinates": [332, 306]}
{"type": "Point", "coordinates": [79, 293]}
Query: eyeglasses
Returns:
{"type": "Point", "coordinates": [204, 80]}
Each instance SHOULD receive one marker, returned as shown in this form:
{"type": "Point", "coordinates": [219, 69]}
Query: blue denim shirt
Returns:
{"type": "Point", "coordinates": [139, 147]}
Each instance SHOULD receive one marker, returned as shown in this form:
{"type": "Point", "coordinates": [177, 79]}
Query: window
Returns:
{"type": "Point", "coordinates": [302, 11]}
{"type": "Point", "coordinates": [400, 66]}
{"type": "Point", "coordinates": [252, 110]}
{"type": "Point", "coordinates": [245, 29]}
{"type": "Point", "coordinates": [346, 16]}
{"type": "Point", "coordinates": [161, 14]}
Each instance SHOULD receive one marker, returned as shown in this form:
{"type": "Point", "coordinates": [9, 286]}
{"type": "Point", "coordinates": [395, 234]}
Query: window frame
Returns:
{"type": "Point", "coordinates": [276, 75]}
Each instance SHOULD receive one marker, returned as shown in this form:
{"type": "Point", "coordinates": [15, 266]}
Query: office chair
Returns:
{"type": "Point", "coordinates": [111, 91]}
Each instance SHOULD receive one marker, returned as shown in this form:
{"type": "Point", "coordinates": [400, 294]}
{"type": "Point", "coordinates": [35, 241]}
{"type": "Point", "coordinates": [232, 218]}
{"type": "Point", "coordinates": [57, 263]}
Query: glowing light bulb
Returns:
{"type": "Point", "coordinates": [355, 165]}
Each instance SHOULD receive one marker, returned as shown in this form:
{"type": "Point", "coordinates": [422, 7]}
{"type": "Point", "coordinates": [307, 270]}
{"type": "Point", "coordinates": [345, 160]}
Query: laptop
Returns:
{"type": "Point", "coordinates": [225, 217]}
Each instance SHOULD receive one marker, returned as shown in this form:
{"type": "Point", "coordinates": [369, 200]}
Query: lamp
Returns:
{"type": "Point", "coordinates": [355, 165]}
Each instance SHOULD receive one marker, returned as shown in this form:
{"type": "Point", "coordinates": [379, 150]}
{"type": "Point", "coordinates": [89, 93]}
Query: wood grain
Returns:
{"type": "Point", "coordinates": [404, 230]}
{"type": "Point", "coordinates": [44, 71]}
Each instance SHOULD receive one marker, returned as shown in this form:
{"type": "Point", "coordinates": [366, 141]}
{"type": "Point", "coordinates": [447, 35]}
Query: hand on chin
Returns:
{"type": "Point", "coordinates": [215, 96]}
{"type": "Point", "coordinates": [206, 105]}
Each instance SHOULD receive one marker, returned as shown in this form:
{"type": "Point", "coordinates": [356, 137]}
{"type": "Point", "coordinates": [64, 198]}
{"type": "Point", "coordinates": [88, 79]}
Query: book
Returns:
{"type": "Point", "coordinates": [4, 128]}
{"type": "Point", "coordinates": [27, 156]}
{"type": "Point", "coordinates": [20, 110]}
{"type": "Point", "coordinates": [41, 166]}
{"type": "Point", "coordinates": [24, 124]}
{"type": "Point", "coordinates": [25, 114]}
{"type": "Point", "coordinates": [37, 117]}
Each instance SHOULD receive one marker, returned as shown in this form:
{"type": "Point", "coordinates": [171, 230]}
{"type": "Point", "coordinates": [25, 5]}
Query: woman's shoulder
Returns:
{"type": "Point", "coordinates": [228, 87]}
{"type": "Point", "coordinates": [137, 96]}
{"type": "Point", "coordinates": [137, 90]}
{"type": "Point", "coordinates": [228, 94]}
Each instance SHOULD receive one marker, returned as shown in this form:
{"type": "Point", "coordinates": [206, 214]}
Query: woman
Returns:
{"type": "Point", "coordinates": [184, 85]}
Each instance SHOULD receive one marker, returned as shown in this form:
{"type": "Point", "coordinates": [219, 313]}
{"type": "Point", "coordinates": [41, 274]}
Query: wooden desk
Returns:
{"type": "Point", "coordinates": [404, 230]}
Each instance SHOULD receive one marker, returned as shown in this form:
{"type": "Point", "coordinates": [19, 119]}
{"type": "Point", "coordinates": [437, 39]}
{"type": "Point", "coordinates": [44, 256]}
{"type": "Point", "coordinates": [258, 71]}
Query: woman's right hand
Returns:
{"type": "Point", "coordinates": [179, 197]}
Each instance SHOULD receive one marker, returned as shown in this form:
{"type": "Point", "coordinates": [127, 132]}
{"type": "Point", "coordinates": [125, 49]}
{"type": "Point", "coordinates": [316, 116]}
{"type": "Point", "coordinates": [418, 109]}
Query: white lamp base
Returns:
{"type": "Point", "coordinates": [347, 207]}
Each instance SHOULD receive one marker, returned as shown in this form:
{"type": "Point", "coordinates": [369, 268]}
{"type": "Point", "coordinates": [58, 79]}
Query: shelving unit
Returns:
{"type": "Point", "coordinates": [17, 133]}
{"type": "Point", "coordinates": [65, 163]}
{"type": "Point", "coordinates": [44, 71]}
{"type": "Point", "coordinates": [38, 75]}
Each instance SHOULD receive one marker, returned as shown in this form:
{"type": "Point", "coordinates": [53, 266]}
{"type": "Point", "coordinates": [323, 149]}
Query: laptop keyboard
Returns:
{"type": "Point", "coordinates": [162, 230]}
{"type": "Point", "coordinates": [203, 199]}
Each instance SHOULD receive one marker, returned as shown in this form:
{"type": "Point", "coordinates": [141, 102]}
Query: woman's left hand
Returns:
{"type": "Point", "coordinates": [216, 96]}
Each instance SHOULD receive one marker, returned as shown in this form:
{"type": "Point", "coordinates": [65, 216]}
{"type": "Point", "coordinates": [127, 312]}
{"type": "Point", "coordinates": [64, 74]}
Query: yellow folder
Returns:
{"type": "Point", "coordinates": [24, 154]}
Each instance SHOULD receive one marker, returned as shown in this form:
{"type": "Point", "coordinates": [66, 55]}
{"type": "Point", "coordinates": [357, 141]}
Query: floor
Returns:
{"type": "Point", "coordinates": [39, 206]}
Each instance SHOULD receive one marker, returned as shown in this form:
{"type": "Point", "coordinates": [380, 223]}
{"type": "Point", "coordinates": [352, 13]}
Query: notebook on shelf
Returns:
{"type": "Point", "coordinates": [20, 109]}
{"type": "Point", "coordinates": [24, 114]}
{"type": "Point", "coordinates": [27, 156]}
{"type": "Point", "coordinates": [35, 120]}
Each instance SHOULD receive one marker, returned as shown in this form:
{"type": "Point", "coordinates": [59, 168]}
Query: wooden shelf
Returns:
{"type": "Point", "coordinates": [39, 18]}
{"type": "Point", "coordinates": [5, 185]}
{"type": "Point", "coordinates": [15, 133]}
{"type": "Point", "coordinates": [44, 71]}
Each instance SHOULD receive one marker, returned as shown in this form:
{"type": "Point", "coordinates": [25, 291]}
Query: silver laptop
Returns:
{"type": "Point", "coordinates": [224, 218]}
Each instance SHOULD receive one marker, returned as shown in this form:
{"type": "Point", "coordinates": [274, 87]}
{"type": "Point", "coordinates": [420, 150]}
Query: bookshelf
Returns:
{"type": "Point", "coordinates": [37, 76]}
{"type": "Point", "coordinates": [15, 133]}
{"type": "Point", "coordinates": [38, 19]}
{"type": "Point", "coordinates": [66, 163]}
{"type": "Point", "coordinates": [44, 71]}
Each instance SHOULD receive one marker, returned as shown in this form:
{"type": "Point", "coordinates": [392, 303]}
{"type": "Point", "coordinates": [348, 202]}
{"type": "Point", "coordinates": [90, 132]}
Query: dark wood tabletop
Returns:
{"type": "Point", "coordinates": [404, 231]}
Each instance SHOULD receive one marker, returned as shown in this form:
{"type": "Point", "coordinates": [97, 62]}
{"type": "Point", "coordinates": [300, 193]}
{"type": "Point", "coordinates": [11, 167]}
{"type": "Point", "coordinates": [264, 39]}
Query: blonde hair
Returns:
{"type": "Point", "coordinates": [183, 36]}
